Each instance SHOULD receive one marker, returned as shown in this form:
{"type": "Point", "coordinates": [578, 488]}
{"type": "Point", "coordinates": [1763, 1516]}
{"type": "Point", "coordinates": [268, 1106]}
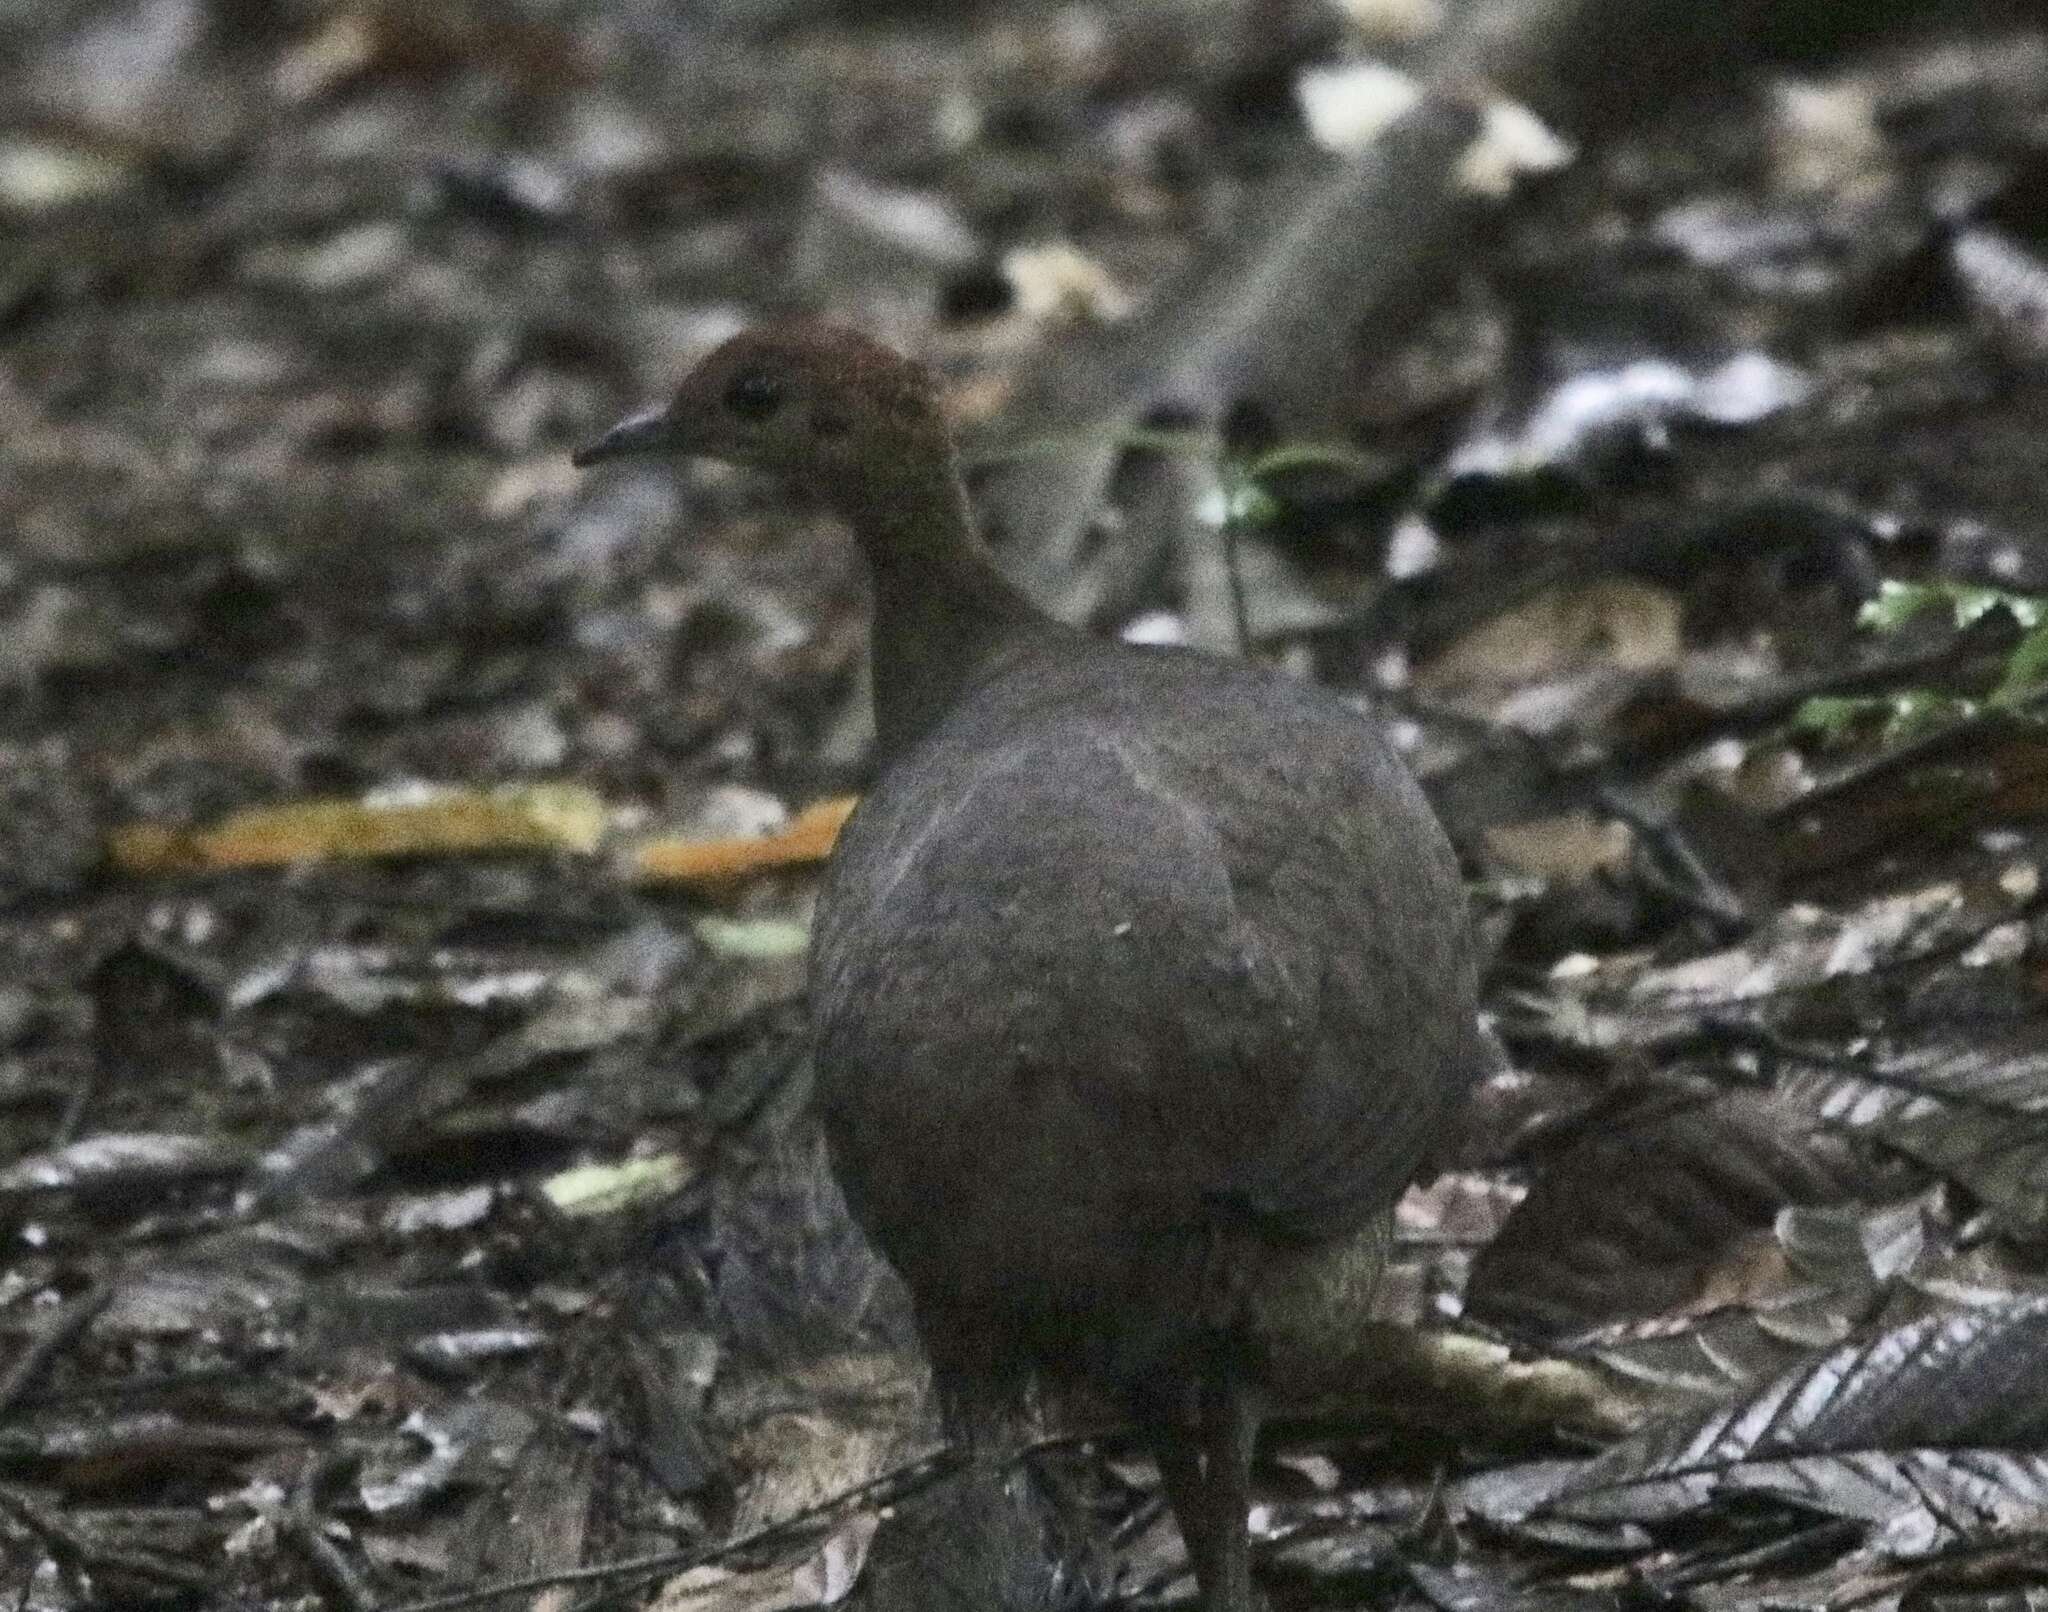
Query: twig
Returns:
{"type": "Point", "coordinates": [1686, 877]}
{"type": "Point", "coordinates": [1257, 310]}
{"type": "Point", "coordinates": [74, 1110]}
{"type": "Point", "coordinates": [1233, 568]}
{"type": "Point", "coordinates": [675, 1561]}
{"type": "Point", "coordinates": [300, 1525]}
{"type": "Point", "coordinates": [64, 1330]}
{"type": "Point", "coordinates": [1920, 747]}
{"type": "Point", "coordinates": [84, 1555]}
{"type": "Point", "coordinates": [1839, 1534]}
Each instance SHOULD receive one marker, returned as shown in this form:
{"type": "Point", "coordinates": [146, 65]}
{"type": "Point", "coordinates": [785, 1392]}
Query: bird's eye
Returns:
{"type": "Point", "coordinates": [754, 395]}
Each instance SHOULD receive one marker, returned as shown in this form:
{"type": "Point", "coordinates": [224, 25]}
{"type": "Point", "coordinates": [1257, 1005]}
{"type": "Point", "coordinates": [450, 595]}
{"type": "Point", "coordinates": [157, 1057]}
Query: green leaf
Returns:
{"type": "Point", "coordinates": [1917, 710]}
{"type": "Point", "coordinates": [1902, 715]}
{"type": "Point", "coordinates": [759, 940]}
{"type": "Point", "coordinates": [607, 1189]}
{"type": "Point", "coordinates": [1914, 711]}
{"type": "Point", "coordinates": [1247, 505]}
{"type": "Point", "coordinates": [1898, 603]}
{"type": "Point", "coordinates": [1973, 604]}
{"type": "Point", "coordinates": [2026, 669]}
{"type": "Point", "coordinates": [1314, 456]}
{"type": "Point", "coordinates": [1834, 716]}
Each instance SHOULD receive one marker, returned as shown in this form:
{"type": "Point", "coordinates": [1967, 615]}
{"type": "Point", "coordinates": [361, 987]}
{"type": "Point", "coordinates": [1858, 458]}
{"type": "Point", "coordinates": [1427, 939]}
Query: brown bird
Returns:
{"type": "Point", "coordinates": [1141, 981]}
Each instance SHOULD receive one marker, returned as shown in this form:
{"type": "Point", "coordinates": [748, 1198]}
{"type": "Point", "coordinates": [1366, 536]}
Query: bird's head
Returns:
{"type": "Point", "coordinates": [842, 415]}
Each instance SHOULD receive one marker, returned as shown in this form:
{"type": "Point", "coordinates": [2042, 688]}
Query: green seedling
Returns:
{"type": "Point", "coordinates": [1908, 712]}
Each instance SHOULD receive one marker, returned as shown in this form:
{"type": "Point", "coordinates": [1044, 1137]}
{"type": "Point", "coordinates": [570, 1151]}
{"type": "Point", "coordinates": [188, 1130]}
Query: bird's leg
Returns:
{"type": "Point", "coordinates": [1165, 1419]}
{"type": "Point", "coordinates": [1206, 1471]}
{"type": "Point", "coordinates": [1180, 1472]}
{"type": "Point", "coordinates": [1228, 1422]}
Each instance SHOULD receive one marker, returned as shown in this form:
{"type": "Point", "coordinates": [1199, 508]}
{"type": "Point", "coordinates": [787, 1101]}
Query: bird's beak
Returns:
{"type": "Point", "coordinates": [643, 433]}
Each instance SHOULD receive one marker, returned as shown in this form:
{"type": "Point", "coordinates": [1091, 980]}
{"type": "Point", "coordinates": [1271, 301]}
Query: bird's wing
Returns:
{"type": "Point", "coordinates": [1342, 880]}
{"type": "Point", "coordinates": [1245, 970]}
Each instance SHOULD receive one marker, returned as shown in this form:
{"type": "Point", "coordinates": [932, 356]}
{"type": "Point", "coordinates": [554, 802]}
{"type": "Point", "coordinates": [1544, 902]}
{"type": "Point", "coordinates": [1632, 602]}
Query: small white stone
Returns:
{"type": "Point", "coordinates": [1056, 282]}
{"type": "Point", "coordinates": [1413, 548]}
{"type": "Point", "coordinates": [1347, 107]}
{"type": "Point", "coordinates": [2003, 943]}
{"type": "Point", "coordinates": [1513, 142]}
{"type": "Point", "coordinates": [1156, 627]}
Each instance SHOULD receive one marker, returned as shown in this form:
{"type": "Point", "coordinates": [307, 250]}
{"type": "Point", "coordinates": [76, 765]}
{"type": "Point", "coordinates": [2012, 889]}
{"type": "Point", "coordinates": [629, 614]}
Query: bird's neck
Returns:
{"type": "Point", "coordinates": [943, 611]}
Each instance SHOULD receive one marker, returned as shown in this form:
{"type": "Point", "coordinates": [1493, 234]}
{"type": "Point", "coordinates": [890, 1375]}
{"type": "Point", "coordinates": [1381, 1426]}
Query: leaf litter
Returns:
{"type": "Point", "coordinates": [406, 865]}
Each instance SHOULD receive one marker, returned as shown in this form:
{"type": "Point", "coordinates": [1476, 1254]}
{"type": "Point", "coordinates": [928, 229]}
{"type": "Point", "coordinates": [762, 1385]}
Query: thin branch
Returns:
{"type": "Point", "coordinates": [300, 1525]}
{"type": "Point", "coordinates": [890, 1484]}
{"type": "Point", "coordinates": [82, 1554]}
{"type": "Point", "coordinates": [64, 1329]}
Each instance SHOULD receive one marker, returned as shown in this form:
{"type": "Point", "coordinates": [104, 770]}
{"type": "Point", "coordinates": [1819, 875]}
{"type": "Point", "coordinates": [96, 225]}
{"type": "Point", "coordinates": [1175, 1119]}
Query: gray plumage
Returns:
{"type": "Point", "coordinates": [1137, 959]}
{"type": "Point", "coordinates": [1141, 980]}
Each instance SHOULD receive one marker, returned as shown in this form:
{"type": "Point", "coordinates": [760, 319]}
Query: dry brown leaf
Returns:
{"type": "Point", "coordinates": [1569, 848]}
{"type": "Point", "coordinates": [523, 817]}
{"type": "Point", "coordinates": [527, 817]}
{"type": "Point", "coordinates": [809, 838]}
{"type": "Point", "coordinates": [1751, 1270]}
{"type": "Point", "coordinates": [1613, 623]}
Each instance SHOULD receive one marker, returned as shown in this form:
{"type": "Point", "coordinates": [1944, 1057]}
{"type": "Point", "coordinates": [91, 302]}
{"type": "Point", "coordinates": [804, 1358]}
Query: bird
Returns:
{"type": "Point", "coordinates": [1142, 980]}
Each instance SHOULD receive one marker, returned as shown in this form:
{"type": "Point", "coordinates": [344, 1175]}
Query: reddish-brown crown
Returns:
{"type": "Point", "coordinates": [842, 364]}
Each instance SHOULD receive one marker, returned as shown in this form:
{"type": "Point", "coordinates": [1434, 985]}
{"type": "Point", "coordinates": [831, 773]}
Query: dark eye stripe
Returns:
{"type": "Point", "coordinates": [754, 394]}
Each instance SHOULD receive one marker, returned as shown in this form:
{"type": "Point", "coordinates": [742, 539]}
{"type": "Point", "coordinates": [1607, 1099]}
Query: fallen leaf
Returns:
{"type": "Point", "coordinates": [518, 817]}
{"type": "Point", "coordinates": [1569, 848]}
{"type": "Point", "coordinates": [1619, 623]}
{"type": "Point", "coordinates": [824, 1578]}
{"type": "Point", "coordinates": [606, 1189]}
{"type": "Point", "coordinates": [809, 838]}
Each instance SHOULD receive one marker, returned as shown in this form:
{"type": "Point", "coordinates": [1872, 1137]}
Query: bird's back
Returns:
{"type": "Point", "coordinates": [1133, 952]}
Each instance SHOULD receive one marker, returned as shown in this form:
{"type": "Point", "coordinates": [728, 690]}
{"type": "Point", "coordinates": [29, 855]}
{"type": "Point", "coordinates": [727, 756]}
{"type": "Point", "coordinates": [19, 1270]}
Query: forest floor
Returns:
{"type": "Point", "coordinates": [412, 1192]}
